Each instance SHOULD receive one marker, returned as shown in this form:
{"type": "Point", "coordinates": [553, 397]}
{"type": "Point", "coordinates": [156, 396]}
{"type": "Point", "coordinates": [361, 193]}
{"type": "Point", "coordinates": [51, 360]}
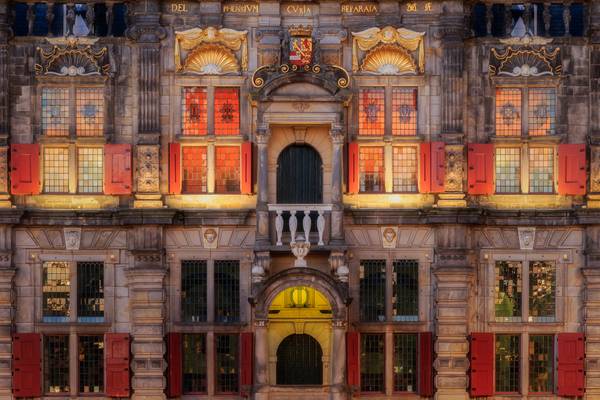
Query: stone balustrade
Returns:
{"type": "Point", "coordinates": [299, 213]}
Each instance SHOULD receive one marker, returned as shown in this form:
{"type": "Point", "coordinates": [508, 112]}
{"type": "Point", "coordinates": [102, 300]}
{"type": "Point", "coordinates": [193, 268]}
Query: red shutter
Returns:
{"type": "Point", "coordinates": [174, 168]}
{"type": "Point", "coordinates": [438, 167]}
{"type": "Point", "coordinates": [425, 168]}
{"type": "Point", "coordinates": [116, 357]}
{"type": "Point", "coordinates": [246, 178]}
{"type": "Point", "coordinates": [25, 168]}
{"type": "Point", "coordinates": [247, 358]}
{"type": "Point", "coordinates": [425, 365]}
{"type": "Point", "coordinates": [353, 172]}
{"type": "Point", "coordinates": [481, 169]}
{"type": "Point", "coordinates": [571, 357]}
{"type": "Point", "coordinates": [352, 359]}
{"type": "Point", "coordinates": [174, 374]}
{"type": "Point", "coordinates": [571, 169]}
{"type": "Point", "coordinates": [117, 169]}
{"type": "Point", "coordinates": [482, 364]}
{"type": "Point", "coordinates": [27, 365]}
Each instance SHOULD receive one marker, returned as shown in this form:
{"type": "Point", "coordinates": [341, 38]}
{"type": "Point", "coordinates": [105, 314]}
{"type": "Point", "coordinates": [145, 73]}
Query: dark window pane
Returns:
{"type": "Point", "coordinates": [56, 289]}
{"type": "Point", "coordinates": [119, 24]}
{"type": "Point", "coordinates": [542, 291]}
{"type": "Point", "coordinates": [372, 290]}
{"type": "Point", "coordinates": [57, 26]}
{"type": "Point", "coordinates": [227, 362]}
{"type": "Point", "coordinates": [478, 20]}
{"type": "Point", "coordinates": [299, 361]}
{"type": "Point", "coordinates": [20, 23]}
{"type": "Point", "coordinates": [406, 290]}
{"type": "Point", "coordinates": [194, 363]}
{"type": "Point", "coordinates": [372, 362]}
{"type": "Point", "coordinates": [40, 20]}
{"type": "Point", "coordinates": [227, 291]}
{"type": "Point", "coordinates": [193, 291]}
{"type": "Point", "coordinates": [405, 362]}
{"type": "Point", "coordinates": [498, 18]}
{"type": "Point", "coordinates": [509, 288]}
{"type": "Point", "coordinates": [91, 364]}
{"type": "Point", "coordinates": [90, 291]}
{"type": "Point", "coordinates": [537, 19]}
{"type": "Point", "coordinates": [507, 363]}
{"type": "Point", "coordinates": [56, 364]}
{"type": "Point", "coordinates": [541, 363]}
{"type": "Point", "coordinates": [557, 23]}
{"type": "Point", "coordinates": [100, 23]}
{"type": "Point", "coordinates": [577, 24]}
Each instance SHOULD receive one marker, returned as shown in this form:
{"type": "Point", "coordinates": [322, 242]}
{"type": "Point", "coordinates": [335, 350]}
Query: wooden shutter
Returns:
{"type": "Point", "coordinates": [480, 175]}
{"type": "Point", "coordinates": [353, 359]}
{"type": "Point", "coordinates": [482, 364]}
{"type": "Point", "coordinates": [432, 168]}
{"type": "Point", "coordinates": [571, 169]}
{"type": "Point", "coordinates": [425, 364]}
{"type": "Point", "coordinates": [117, 169]}
{"type": "Point", "coordinates": [116, 364]}
{"type": "Point", "coordinates": [353, 172]}
{"type": "Point", "coordinates": [175, 168]}
{"type": "Point", "coordinates": [246, 362]}
{"type": "Point", "coordinates": [25, 169]}
{"type": "Point", "coordinates": [425, 167]}
{"type": "Point", "coordinates": [174, 360]}
{"type": "Point", "coordinates": [246, 178]}
{"type": "Point", "coordinates": [571, 358]}
{"type": "Point", "coordinates": [27, 365]}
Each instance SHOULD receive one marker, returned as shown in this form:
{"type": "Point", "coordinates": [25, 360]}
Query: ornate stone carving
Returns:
{"type": "Point", "coordinates": [210, 237]}
{"type": "Point", "coordinates": [75, 57]}
{"type": "Point", "coordinates": [148, 169]}
{"type": "Point", "coordinates": [72, 238]}
{"type": "Point", "coordinates": [337, 261]}
{"type": "Point", "coordinates": [300, 248]}
{"type": "Point", "coordinates": [454, 168]}
{"type": "Point", "coordinates": [260, 266]}
{"type": "Point", "coordinates": [3, 169]}
{"type": "Point", "coordinates": [525, 61]}
{"type": "Point", "coordinates": [388, 50]}
{"type": "Point", "coordinates": [389, 236]}
{"type": "Point", "coordinates": [526, 237]}
{"type": "Point", "coordinates": [595, 169]}
{"type": "Point", "coordinates": [269, 73]}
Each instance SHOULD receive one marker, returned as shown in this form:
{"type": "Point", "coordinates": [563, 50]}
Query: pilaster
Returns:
{"type": "Point", "coordinates": [4, 107]}
{"type": "Point", "coordinates": [7, 310]}
{"type": "Point", "coordinates": [262, 213]}
{"type": "Point", "coordinates": [337, 214]}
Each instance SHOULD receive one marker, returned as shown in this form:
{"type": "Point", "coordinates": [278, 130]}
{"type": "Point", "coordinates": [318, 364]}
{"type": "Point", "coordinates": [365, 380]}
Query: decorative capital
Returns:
{"type": "Point", "coordinates": [147, 32]}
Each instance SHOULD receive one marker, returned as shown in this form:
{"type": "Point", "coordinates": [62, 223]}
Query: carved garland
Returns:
{"type": "Point", "coordinates": [72, 60]}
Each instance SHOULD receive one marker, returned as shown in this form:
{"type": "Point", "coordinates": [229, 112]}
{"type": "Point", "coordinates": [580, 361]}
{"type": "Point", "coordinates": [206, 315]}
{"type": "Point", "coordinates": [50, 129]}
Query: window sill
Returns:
{"type": "Point", "coordinates": [205, 139]}
{"type": "Point", "coordinates": [211, 201]}
{"type": "Point", "coordinates": [72, 201]}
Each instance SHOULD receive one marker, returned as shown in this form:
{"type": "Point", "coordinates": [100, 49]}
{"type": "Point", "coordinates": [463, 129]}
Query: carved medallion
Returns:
{"type": "Point", "coordinates": [526, 237]}
{"type": "Point", "coordinates": [389, 236]}
{"type": "Point", "coordinates": [210, 237]}
{"type": "Point", "coordinates": [72, 238]}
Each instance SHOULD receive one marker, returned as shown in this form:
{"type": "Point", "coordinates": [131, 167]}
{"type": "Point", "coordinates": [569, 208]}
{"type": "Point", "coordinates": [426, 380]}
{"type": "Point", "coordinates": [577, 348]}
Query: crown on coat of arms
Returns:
{"type": "Point", "coordinates": [300, 30]}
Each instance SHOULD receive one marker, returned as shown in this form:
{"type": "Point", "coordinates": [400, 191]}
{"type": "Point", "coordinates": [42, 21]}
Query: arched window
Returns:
{"type": "Point", "coordinates": [299, 361]}
{"type": "Point", "coordinates": [299, 175]}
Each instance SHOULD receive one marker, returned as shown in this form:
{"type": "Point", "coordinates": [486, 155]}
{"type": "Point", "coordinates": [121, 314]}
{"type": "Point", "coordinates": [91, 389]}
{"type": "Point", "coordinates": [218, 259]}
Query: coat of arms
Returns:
{"type": "Point", "coordinates": [301, 45]}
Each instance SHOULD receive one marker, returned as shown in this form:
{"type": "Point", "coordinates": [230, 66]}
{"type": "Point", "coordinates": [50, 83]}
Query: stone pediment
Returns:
{"type": "Point", "coordinates": [72, 57]}
{"type": "Point", "coordinates": [525, 61]}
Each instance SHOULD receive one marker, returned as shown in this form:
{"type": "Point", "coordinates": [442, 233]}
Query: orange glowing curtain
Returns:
{"type": "Point", "coordinates": [371, 114]}
{"type": "Point", "coordinates": [227, 111]}
{"type": "Point", "coordinates": [195, 112]}
{"type": "Point", "coordinates": [508, 112]}
{"type": "Point", "coordinates": [404, 111]}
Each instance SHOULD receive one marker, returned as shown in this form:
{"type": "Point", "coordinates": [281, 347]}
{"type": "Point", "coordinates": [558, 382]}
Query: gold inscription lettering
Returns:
{"type": "Point", "coordinates": [427, 6]}
{"type": "Point", "coordinates": [298, 9]}
{"type": "Point", "coordinates": [359, 9]}
{"type": "Point", "coordinates": [179, 7]}
{"type": "Point", "coordinates": [240, 8]}
{"type": "Point", "coordinates": [411, 7]}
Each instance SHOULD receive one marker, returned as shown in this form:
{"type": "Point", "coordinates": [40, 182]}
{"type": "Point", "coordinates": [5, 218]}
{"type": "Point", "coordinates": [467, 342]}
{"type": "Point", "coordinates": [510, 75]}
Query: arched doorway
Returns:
{"type": "Point", "coordinates": [299, 361]}
{"type": "Point", "coordinates": [299, 175]}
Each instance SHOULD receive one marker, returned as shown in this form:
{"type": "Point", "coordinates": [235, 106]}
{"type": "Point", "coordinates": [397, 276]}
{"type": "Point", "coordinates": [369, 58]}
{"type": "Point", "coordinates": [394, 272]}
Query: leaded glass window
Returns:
{"type": "Point", "coordinates": [91, 364]}
{"type": "Point", "coordinates": [90, 292]}
{"type": "Point", "coordinates": [227, 169]}
{"type": "Point", "coordinates": [195, 169]}
{"type": "Point", "coordinates": [542, 291]}
{"type": "Point", "coordinates": [55, 111]}
{"type": "Point", "coordinates": [56, 291]}
{"type": "Point", "coordinates": [371, 168]}
{"type": "Point", "coordinates": [90, 111]}
{"type": "Point", "coordinates": [227, 363]}
{"type": "Point", "coordinates": [78, 110]}
{"type": "Point", "coordinates": [405, 298]}
{"type": "Point", "coordinates": [372, 290]}
{"type": "Point", "coordinates": [56, 364]}
{"type": "Point", "coordinates": [193, 291]}
{"type": "Point", "coordinates": [194, 363]}
{"type": "Point", "coordinates": [227, 291]}
{"type": "Point", "coordinates": [542, 111]}
{"type": "Point", "coordinates": [509, 288]}
{"type": "Point", "coordinates": [528, 110]}
{"type": "Point", "coordinates": [508, 170]}
{"type": "Point", "coordinates": [90, 169]}
{"type": "Point", "coordinates": [56, 170]}
{"type": "Point", "coordinates": [372, 362]}
{"type": "Point", "coordinates": [405, 169]}
{"type": "Point", "coordinates": [508, 368]}
{"type": "Point", "coordinates": [508, 112]}
{"type": "Point", "coordinates": [404, 111]}
{"type": "Point", "coordinates": [195, 111]}
{"type": "Point", "coordinates": [541, 170]}
{"type": "Point", "coordinates": [227, 111]}
{"type": "Point", "coordinates": [405, 362]}
{"type": "Point", "coordinates": [371, 111]}
{"type": "Point", "coordinates": [541, 363]}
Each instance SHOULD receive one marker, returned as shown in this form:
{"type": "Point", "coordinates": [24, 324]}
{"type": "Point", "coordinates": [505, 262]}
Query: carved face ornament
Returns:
{"type": "Point", "coordinates": [210, 235]}
{"type": "Point", "coordinates": [389, 235]}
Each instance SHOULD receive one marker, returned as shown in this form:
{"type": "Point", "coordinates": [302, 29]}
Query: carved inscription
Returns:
{"type": "Point", "coordinates": [360, 9]}
{"type": "Point", "coordinates": [240, 8]}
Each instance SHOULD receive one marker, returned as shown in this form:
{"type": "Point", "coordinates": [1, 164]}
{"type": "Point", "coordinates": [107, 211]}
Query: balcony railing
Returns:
{"type": "Point", "coordinates": [299, 218]}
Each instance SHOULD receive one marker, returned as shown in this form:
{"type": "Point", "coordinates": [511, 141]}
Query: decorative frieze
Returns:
{"type": "Point", "coordinates": [72, 56]}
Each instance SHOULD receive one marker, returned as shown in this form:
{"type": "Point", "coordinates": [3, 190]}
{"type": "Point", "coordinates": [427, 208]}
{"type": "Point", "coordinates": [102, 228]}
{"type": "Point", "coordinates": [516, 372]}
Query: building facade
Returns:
{"type": "Point", "coordinates": [299, 199]}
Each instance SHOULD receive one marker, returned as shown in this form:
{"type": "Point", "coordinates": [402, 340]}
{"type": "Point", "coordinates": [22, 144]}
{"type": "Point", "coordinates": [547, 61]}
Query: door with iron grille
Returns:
{"type": "Point", "coordinates": [299, 175]}
{"type": "Point", "coordinates": [299, 361]}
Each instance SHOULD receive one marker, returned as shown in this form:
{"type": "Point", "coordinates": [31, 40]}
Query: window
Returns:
{"type": "Point", "coordinates": [195, 111]}
{"type": "Point", "coordinates": [194, 363]}
{"type": "Point", "coordinates": [405, 362]}
{"type": "Point", "coordinates": [193, 291]}
{"type": "Point", "coordinates": [371, 111]}
{"type": "Point", "coordinates": [227, 169]}
{"type": "Point", "coordinates": [537, 104]}
{"type": "Point", "coordinates": [227, 363]}
{"type": "Point", "coordinates": [372, 290]}
{"type": "Point", "coordinates": [508, 170]}
{"type": "Point", "coordinates": [371, 169]}
{"type": "Point", "coordinates": [227, 111]}
{"type": "Point", "coordinates": [56, 170]}
{"type": "Point", "coordinates": [404, 111]}
{"type": "Point", "coordinates": [541, 170]}
{"type": "Point", "coordinates": [90, 112]}
{"type": "Point", "coordinates": [90, 169]}
{"type": "Point", "coordinates": [56, 288]}
{"type": "Point", "coordinates": [90, 292]}
{"type": "Point", "coordinates": [55, 111]}
{"type": "Point", "coordinates": [194, 165]}
{"type": "Point", "coordinates": [227, 290]}
{"type": "Point", "coordinates": [405, 290]}
{"type": "Point", "coordinates": [77, 111]}
{"type": "Point", "coordinates": [508, 369]}
{"type": "Point", "coordinates": [405, 168]}
{"type": "Point", "coordinates": [541, 363]}
{"type": "Point", "coordinates": [542, 291]}
{"type": "Point", "coordinates": [372, 362]}
{"type": "Point", "coordinates": [56, 364]}
{"type": "Point", "coordinates": [91, 364]}
{"type": "Point", "coordinates": [508, 290]}
{"type": "Point", "coordinates": [224, 106]}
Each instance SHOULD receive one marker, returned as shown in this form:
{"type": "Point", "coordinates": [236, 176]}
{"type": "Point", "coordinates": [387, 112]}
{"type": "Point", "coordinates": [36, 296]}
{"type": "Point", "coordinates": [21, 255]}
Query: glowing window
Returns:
{"type": "Point", "coordinates": [405, 169]}
{"type": "Point", "coordinates": [371, 111]}
{"type": "Point", "coordinates": [371, 169]}
{"type": "Point", "coordinates": [56, 289]}
{"type": "Point", "coordinates": [541, 170]}
{"type": "Point", "coordinates": [541, 363]}
{"type": "Point", "coordinates": [90, 169]}
{"type": "Point", "coordinates": [56, 364]}
{"type": "Point", "coordinates": [227, 111]}
{"type": "Point", "coordinates": [509, 287]}
{"type": "Point", "coordinates": [508, 170]}
{"type": "Point", "coordinates": [55, 111]}
{"type": "Point", "coordinates": [542, 291]}
{"type": "Point", "coordinates": [508, 368]}
{"type": "Point", "coordinates": [194, 164]}
{"type": "Point", "coordinates": [56, 170]}
{"type": "Point", "coordinates": [195, 111]}
{"type": "Point", "coordinates": [227, 169]}
{"type": "Point", "coordinates": [508, 112]}
{"type": "Point", "coordinates": [404, 111]}
{"type": "Point", "coordinates": [542, 111]}
{"type": "Point", "coordinates": [90, 111]}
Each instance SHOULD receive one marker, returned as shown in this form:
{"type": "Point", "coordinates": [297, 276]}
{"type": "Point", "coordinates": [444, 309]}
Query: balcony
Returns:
{"type": "Point", "coordinates": [298, 222]}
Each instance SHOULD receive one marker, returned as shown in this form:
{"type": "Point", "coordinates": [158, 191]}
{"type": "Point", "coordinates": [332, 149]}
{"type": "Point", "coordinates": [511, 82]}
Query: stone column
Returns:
{"type": "Point", "coordinates": [262, 213]}
{"type": "Point", "coordinates": [338, 360]}
{"type": "Point", "coordinates": [337, 214]}
{"type": "Point", "coordinates": [453, 281]}
{"type": "Point", "coordinates": [261, 359]}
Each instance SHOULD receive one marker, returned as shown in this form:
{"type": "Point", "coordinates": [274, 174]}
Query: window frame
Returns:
{"type": "Point", "coordinates": [215, 363]}
{"type": "Point", "coordinates": [73, 163]}
{"type": "Point", "coordinates": [45, 367]}
{"type": "Point", "coordinates": [205, 338]}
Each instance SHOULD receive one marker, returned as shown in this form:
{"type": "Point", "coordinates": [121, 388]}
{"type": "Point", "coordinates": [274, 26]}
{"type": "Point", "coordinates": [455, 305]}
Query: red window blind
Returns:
{"type": "Point", "coordinates": [432, 167]}
{"type": "Point", "coordinates": [571, 169]}
{"type": "Point", "coordinates": [227, 111]}
{"type": "Point", "coordinates": [174, 364]}
{"type": "Point", "coordinates": [353, 174]}
{"type": "Point", "coordinates": [117, 169]}
{"type": "Point", "coordinates": [174, 168]}
{"type": "Point", "coordinates": [352, 359]}
{"type": "Point", "coordinates": [480, 173]}
{"type": "Point", "coordinates": [116, 358]}
{"type": "Point", "coordinates": [425, 364]}
{"type": "Point", "coordinates": [247, 358]}
{"type": "Point", "coordinates": [27, 365]}
{"type": "Point", "coordinates": [482, 364]}
{"type": "Point", "coordinates": [195, 111]}
{"type": "Point", "coordinates": [25, 169]}
{"type": "Point", "coordinates": [246, 177]}
{"type": "Point", "coordinates": [571, 358]}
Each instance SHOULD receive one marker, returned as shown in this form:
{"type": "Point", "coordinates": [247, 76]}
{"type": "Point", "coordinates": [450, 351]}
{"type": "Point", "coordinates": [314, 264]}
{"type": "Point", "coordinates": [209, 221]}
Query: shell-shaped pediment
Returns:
{"type": "Point", "coordinates": [389, 60]}
{"type": "Point", "coordinates": [211, 59]}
